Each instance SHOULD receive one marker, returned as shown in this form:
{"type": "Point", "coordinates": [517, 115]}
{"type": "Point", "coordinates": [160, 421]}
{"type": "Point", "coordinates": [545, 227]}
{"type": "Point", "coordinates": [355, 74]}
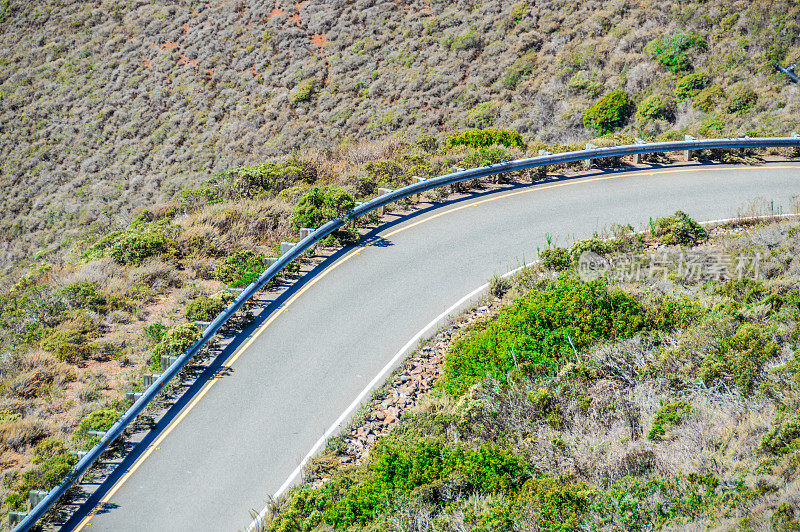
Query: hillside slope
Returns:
{"type": "Point", "coordinates": [109, 106]}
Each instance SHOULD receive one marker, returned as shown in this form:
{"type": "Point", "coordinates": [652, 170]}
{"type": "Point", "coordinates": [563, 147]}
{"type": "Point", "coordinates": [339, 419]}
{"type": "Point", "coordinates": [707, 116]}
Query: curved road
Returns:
{"type": "Point", "coordinates": [242, 437]}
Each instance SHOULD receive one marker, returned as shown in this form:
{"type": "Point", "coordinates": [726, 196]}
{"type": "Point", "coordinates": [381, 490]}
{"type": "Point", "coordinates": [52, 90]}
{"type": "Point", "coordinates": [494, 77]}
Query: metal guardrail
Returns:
{"type": "Point", "coordinates": [295, 251]}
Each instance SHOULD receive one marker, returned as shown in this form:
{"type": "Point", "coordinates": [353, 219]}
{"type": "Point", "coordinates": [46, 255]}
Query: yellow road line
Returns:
{"type": "Point", "coordinates": [228, 363]}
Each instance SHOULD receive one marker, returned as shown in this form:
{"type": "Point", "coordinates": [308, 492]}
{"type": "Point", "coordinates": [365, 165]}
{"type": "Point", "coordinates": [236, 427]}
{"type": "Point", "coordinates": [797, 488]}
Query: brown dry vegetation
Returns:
{"type": "Point", "coordinates": [110, 106]}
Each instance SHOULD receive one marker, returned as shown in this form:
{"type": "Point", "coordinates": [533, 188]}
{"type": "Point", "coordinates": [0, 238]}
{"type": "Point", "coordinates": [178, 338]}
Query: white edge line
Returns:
{"type": "Point", "coordinates": [402, 352]}
{"type": "Point", "coordinates": [374, 382]}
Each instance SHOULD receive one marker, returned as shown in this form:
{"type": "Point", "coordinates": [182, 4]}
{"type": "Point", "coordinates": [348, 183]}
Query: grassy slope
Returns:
{"type": "Point", "coordinates": [685, 416]}
{"type": "Point", "coordinates": [111, 106]}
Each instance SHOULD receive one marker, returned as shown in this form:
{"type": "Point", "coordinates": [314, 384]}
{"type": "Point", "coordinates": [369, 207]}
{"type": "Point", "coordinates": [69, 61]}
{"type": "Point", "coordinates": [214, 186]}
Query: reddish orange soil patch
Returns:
{"type": "Point", "coordinates": [319, 39]}
{"type": "Point", "coordinates": [427, 9]}
{"type": "Point", "coordinates": [296, 19]}
{"type": "Point", "coordinates": [184, 61]}
{"type": "Point", "coordinates": [185, 28]}
{"type": "Point", "coordinates": [276, 12]}
{"type": "Point", "coordinates": [147, 64]}
{"type": "Point", "coordinates": [169, 45]}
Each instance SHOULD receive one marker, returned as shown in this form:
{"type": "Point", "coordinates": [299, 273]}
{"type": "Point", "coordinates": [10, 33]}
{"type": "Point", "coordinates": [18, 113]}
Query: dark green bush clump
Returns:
{"type": "Point", "coordinates": [780, 438]}
{"type": "Point", "coordinates": [53, 463]}
{"type": "Point", "coordinates": [741, 99]}
{"type": "Point", "coordinates": [609, 113]}
{"type": "Point", "coordinates": [267, 178]}
{"type": "Point", "coordinates": [174, 342]}
{"type": "Point", "coordinates": [741, 358]}
{"type": "Point", "coordinates": [706, 99]}
{"type": "Point", "coordinates": [240, 268]}
{"type": "Point", "coordinates": [655, 107]}
{"type": "Point", "coordinates": [320, 205]}
{"type": "Point", "coordinates": [485, 138]}
{"type": "Point", "coordinates": [557, 259]}
{"type": "Point", "coordinates": [204, 308]}
{"type": "Point", "coordinates": [668, 415]}
{"type": "Point", "coordinates": [690, 85]}
{"type": "Point", "coordinates": [518, 70]}
{"type": "Point", "coordinates": [101, 420]}
{"type": "Point", "coordinates": [670, 52]}
{"type": "Point", "coordinates": [538, 328]}
{"type": "Point", "coordinates": [679, 229]}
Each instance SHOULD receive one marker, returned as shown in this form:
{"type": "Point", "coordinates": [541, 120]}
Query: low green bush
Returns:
{"type": "Point", "coordinates": [670, 51]}
{"type": "Point", "coordinates": [304, 91]}
{"type": "Point", "coordinates": [483, 115]}
{"type": "Point", "coordinates": [655, 107]}
{"type": "Point", "coordinates": [537, 330]}
{"type": "Point", "coordinates": [154, 332]}
{"type": "Point", "coordinates": [690, 85]}
{"type": "Point", "coordinates": [609, 113]}
{"type": "Point", "coordinates": [741, 99]}
{"type": "Point", "coordinates": [786, 432]}
{"type": "Point", "coordinates": [174, 342]}
{"type": "Point", "coordinates": [270, 179]}
{"type": "Point", "coordinates": [679, 229]}
{"type": "Point", "coordinates": [707, 99]}
{"type": "Point", "coordinates": [240, 268]}
{"type": "Point", "coordinates": [670, 414]}
{"type": "Point", "coordinates": [85, 295]}
{"type": "Point", "coordinates": [68, 345]}
{"type": "Point", "coordinates": [486, 138]}
{"type": "Point", "coordinates": [52, 462]}
{"type": "Point", "coordinates": [101, 420]}
{"type": "Point", "coordinates": [204, 308]}
{"type": "Point", "coordinates": [320, 205]}
{"type": "Point", "coordinates": [522, 67]}
{"type": "Point", "coordinates": [741, 359]}
{"type": "Point", "coordinates": [557, 259]}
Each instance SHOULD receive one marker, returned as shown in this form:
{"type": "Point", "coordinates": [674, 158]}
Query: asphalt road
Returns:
{"type": "Point", "coordinates": [244, 437]}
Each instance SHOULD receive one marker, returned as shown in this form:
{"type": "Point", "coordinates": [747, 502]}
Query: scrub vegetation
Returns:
{"type": "Point", "coordinates": [654, 404]}
{"type": "Point", "coordinates": [153, 156]}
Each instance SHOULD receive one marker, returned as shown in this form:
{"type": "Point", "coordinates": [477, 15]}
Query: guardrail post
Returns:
{"type": "Point", "coordinates": [637, 157]}
{"type": "Point", "coordinates": [305, 231]}
{"type": "Point", "coordinates": [414, 181]}
{"type": "Point", "coordinates": [98, 433]}
{"type": "Point", "coordinates": [202, 324]}
{"type": "Point", "coordinates": [268, 261]}
{"type": "Point", "coordinates": [14, 518]}
{"type": "Point", "coordinates": [541, 171]}
{"type": "Point", "coordinates": [78, 454]}
{"type": "Point", "coordinates": [687, 154]}
{"type": "Point", "coordinates": [132, 396]}
{"type": "Point", "coordinates": [148, 379]}
{"type": "Point", "coordinates": [795, 135]}
{"type": "Point", "coordinates": [286, 247]}
{"type": "Point", "coordinates": [587, 165]}
{"type": "Point", "coordinates": [167, 361]}
{"type": "Point", "coordinates": [383, 192]}
{"type": "Point", "coordinates": [453, 187]}
{"type": "Point", "coordinates": [36, 496]}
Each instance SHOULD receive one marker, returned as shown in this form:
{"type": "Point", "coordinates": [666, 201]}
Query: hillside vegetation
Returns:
{"type": "Point", "coordinates": [110, 106]}
{"type": "Point", "coordinates": [664, 402]}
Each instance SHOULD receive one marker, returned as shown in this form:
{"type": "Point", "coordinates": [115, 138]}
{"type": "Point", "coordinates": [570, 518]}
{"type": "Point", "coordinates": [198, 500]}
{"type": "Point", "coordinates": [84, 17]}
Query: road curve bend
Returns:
{"type": "Point", "coordinates": [238, 440]}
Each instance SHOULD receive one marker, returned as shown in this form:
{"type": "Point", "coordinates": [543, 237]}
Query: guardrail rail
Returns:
{"type": "Point", "coordinates": [295, 251]}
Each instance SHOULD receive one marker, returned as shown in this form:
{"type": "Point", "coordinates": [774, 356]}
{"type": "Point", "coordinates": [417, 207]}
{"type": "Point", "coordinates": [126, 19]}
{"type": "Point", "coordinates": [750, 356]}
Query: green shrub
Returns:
{"type": "Point", "coordinates": [668, 415]}
{"type": "Point", "coordinates": [204, 308]}
{"type": "Point", "coordinates": [655, 107]}
{"type": "Point", "coordinates": [16, 501]}
{"type": "Point", "coordinates": [483, 115]}
{"type": "Point", "coordinates": [522, 67]}
{"type": "Point", "coordinates": [706, 99]}
{"type": "Point", "coordinates": [780, 438]}
{"type": "Point", "coordinates": [240, 268]}
{"type": "Point", "coordinates": [320, 205]}
{"type": "Point", "coordinates": [68, 345]}
{"type": "Point", "coordinates": [267, 178]}
{"type": "Point", "coordinates": [557, 259]}
{"type": "Point", "coordinates": [85, 295]}
{"type": "Point", "coordinates": [518, 12]}
{"type": "Point", "coordinates": [679, 229]}
{"type": "Point", "coordinates": [609, 113]}
{"type": "Point", "coordinates": [741, 99]}
{"type": "Point", "coordinates": [537, 329]}
{"type": "Point", "coordinates": [670, 52]}
{"type": "Point", "coordinates": [466, 41]}
{"type": "Point", "coordinates": [174, 342]}
{"type": "Point", "coordinates": [101, 420]}
{"type": "Point", "coordinates": [690, 85]}
{"type": "Point", "coordinates": [498, 286]}
{"type": "Point", "coordinates": [304, 91]}
{"type": "Point", "coordinates": [485, 138]}
{"type": "Point", "coordinates": [154, 332]}
{"type": "Point", "coordinates": [582, 82]}
{"type": "Point", "coordinates": [53, 463]}
{"type": "Point", "coordinates": [741, 358]}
